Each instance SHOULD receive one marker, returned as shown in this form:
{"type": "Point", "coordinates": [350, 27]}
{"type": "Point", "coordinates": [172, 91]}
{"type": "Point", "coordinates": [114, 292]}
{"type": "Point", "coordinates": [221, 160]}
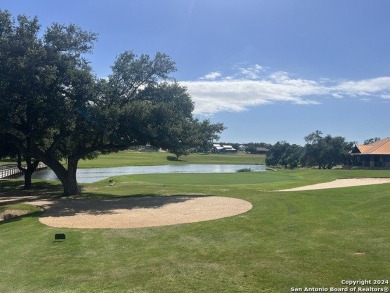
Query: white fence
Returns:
{"type": "Point", "coordinates": [9, 171]}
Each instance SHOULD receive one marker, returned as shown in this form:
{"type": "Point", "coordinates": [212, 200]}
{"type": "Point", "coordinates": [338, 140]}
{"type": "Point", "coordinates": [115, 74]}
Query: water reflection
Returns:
{"type": "Point", "coordinates": [97, 174]}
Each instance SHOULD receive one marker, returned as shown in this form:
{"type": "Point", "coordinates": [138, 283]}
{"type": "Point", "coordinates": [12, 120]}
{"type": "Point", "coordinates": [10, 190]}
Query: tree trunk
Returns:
{"type": "Point", "coordinates": [27, 179]}
{"type": "Point", "coordinates": [70, 181]}
{"type": "Point", "coordinates": [70, 186]}
{"type": "Point", "coordinates": [31, 167]}
{"type": "Point", "coordinates": [66, 176]}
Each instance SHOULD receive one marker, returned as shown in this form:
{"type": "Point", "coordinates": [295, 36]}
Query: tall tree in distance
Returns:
{"type": "Point", "coordinates": [325, 152]}
{"type": "Point", "coordinates": [284, 154]}
{"type": "Point", "coordinates": [194, 135]}
{"type": "Point", "coordinates": [371, 140]}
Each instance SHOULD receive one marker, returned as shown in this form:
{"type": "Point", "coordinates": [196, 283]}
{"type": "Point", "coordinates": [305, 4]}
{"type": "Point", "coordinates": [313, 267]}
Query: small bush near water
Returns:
{"type": "Point", "coordinates": [244, 170]}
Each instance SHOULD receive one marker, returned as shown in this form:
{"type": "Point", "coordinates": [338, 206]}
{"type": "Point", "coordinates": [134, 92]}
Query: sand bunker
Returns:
{"type": "Point", "coordinates": [342, 183]}
{"type": "Point", "coordinates": [151, 211]}
{"type": "Point", "coordinates": [138, 212]}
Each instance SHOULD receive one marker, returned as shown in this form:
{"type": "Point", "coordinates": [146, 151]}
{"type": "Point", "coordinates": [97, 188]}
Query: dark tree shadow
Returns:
{"type": "Point", "coordinates": [172, 158]}
{"type": "Point", "coordinates": [103, 206]}
{"type": "Point", "coordinates": [15, 188]}
{"type": "Point", "coordinates": [53, 205]}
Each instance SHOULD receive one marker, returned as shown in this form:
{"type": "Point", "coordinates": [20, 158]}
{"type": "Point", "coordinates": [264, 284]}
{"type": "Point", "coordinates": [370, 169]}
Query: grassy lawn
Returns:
{"type": "Point", "coordinates": [133, 158]}
{"type": "Point", "coordinates": [24, 207]}
{"type": "Point", "coordinates": [289, 239]}
{"type": "Point", "coordinates": [5, 162]}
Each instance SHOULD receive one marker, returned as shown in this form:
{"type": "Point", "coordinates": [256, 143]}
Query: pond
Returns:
{"type": "Point", "coordinates": [97, 174]}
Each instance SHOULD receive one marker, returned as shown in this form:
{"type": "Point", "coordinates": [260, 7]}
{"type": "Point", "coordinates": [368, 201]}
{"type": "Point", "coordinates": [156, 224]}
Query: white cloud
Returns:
{"type": "Point", "coordinates": [374, 86]}
{"type": "Point", "coordinates": [247, 88]}
{"type": "Point", "coordinates": [251, 72]}
{"type": "Point", "coordinates": [239, 95]}
{"type": "Point", "coordinates": [385, 97]}
{"type": "Point", "coordinates": [211, 75]}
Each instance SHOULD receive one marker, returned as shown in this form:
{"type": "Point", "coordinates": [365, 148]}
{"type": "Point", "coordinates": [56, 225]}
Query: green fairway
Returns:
{"type": "Point", "coordinates": [133, 158]}
{"type": "Point", "coordinates": [215, 184]}
{"type": "Point", "coordinates": [289, 239]}
{"type": "Point", "coordinates": [5, 162]}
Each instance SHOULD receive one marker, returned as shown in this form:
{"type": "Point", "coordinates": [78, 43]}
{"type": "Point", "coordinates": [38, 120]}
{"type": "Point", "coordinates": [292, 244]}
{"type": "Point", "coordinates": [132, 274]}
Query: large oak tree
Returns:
{"type": "Point", "coordinates": [52, 107]}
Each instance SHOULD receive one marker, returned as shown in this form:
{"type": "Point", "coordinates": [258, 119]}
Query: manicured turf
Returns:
{"type": "Point", "coordinates": [5, 162]}
{"type": "Point", "coordinates": [289, 239]}
{"type": "Point", "coordinates": [133, 158]}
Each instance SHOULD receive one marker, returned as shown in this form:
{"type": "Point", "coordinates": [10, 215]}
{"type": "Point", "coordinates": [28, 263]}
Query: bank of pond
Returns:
{"type": "Point", "coordinates": [96, 174]}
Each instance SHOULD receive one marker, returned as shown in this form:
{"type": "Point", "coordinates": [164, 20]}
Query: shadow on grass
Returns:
{"type": "Point", "coordinates": [14, 188]}
{"type": "Point", "coordinates": [173, 158]}
{"type": "Point", "coordinates": [19, 218]}
{"type": "Point", "coordinates": [101, 206]}
{"type": "Point", "coordinates": [47, 193]}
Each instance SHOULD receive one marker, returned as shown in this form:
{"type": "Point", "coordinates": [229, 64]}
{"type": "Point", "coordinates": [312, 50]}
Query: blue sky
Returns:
{"type": "Point", "coordinates": [270, 70]}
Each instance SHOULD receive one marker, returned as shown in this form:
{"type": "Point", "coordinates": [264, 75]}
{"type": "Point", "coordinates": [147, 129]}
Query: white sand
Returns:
{"type": "Point", "coordinates": [342, 183]}
{"type": "Point", "coordinates": [139, 212]}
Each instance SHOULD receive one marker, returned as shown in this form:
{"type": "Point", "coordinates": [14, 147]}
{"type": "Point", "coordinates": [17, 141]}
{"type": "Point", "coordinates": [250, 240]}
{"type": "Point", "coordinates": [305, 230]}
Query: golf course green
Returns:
{"type": "Point", "coordinates": [312, 239]}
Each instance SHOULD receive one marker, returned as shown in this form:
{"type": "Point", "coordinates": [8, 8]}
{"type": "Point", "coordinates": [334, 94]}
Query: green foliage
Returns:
{"type": "Point", "coordinates": [54, 108]}
{"type": "Point", "coordinates": [192, 135]}
{"type": "Point", "coordinates": [325, 152]}
{"type": "Point", "coordinates": [319, 151]}
{"type": "Point", "coordinates": [7, 150]}
{"type": "Point", "coordinates": [252, 147]}
{"type": "Point", "coordinates": [244, 170]}
{"type": "Point", "coordinates": [284, 154]}
{"type": "Point", "coordinates": [45, 84]}
{"type": "Point", "coordinates": [371, 140]}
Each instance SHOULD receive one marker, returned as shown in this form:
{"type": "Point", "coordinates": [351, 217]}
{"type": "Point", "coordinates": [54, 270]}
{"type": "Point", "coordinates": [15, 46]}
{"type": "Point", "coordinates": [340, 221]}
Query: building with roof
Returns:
{"type": "Point", "coordinates": [218, 149]}
{"type": "Point", "coordinates": [375, 155]}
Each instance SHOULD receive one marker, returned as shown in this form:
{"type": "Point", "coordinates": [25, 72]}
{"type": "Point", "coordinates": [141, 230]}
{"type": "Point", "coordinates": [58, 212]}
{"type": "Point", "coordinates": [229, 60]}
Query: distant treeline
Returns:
{"type": "Point", "coordinates": [324, 152]}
